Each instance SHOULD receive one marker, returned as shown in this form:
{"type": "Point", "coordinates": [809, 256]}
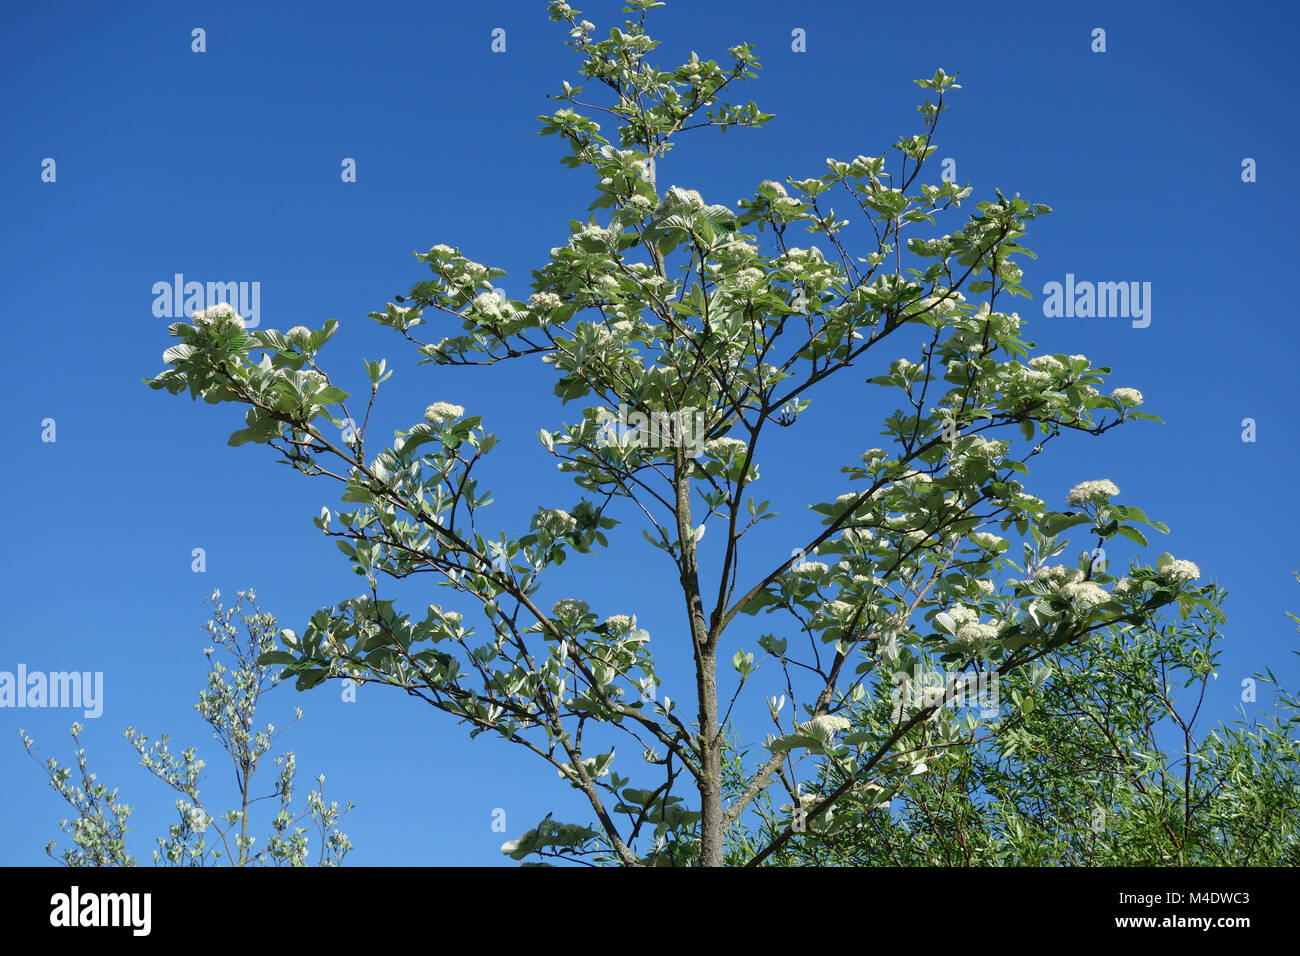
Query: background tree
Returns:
{"type": "Point", "coordinates": [1101, 766]}
{"type": "Point", "coordinates": [694, 334]}
{"type": "Point", "coordinates": [201, 836]}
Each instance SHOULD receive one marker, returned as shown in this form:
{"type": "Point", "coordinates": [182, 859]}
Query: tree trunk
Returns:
{"type": "Point", "coordinates": [711, 825]}
{"type": "Point", "coordinates": [706, 678]}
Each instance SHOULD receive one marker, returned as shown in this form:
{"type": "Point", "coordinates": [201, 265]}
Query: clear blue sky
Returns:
{"type": "Point", "coordinates": [225, 166]}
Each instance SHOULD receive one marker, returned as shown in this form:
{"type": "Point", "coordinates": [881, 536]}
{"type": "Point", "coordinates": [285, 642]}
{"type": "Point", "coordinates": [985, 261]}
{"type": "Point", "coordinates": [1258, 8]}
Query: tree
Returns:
{"type": "Point", "coordinates": [695, 335]}
{"type": "Point", "coordinates": [201, 837]}
{"type": "Point", "coordinates": [1102, 765]}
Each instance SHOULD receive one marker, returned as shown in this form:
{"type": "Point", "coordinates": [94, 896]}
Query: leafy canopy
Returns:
{"type": "Point", "coordinates": [689, 333]}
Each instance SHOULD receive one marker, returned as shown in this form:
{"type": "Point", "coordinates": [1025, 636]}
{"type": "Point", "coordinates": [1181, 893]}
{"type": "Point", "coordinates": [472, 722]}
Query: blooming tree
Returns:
{"type": "Point", "coordinates": [693, 336]}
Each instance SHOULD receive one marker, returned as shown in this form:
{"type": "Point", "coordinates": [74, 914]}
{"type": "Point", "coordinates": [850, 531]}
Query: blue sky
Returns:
{"type": "Point", "coordinates": [225, 165]}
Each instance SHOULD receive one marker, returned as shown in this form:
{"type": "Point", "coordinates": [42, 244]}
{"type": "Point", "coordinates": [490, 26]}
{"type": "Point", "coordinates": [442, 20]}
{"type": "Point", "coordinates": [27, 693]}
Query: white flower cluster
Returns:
{"type": "Point", "coordinates": [544, 301]}
{"type": "Point", "coordinates": [1001, 323]}
{"type": "Point", "coordinates": [724, 449]}
{"type": "Point", "coordinates": [746, 279]}
{"type": "Point", "coordinates": [1092, 492]}
{"type": "Point", "coordinates": [594, 232]}
{"type": "Point", "coordinates": [1057, 575]}
{"type": "Point", "coordinates": [794, 258]}
{"type": "Point", "coordinates": [1069, 583]}
{"type": "Point", "coordinates": [1085, 593]}
{"type": "Point", "coordinates": [986, 540]}
{"type": "Point", "coordinates": [464, 273]}
{"type": "Point", "coordinates": [677, 196]}
{"type": "Point", "coordinates": [1129, 397]}
{"type": "Point", "coordinates": [603, 337]}
{"type": "Point", "coordinates": [1047, 363]}
{"type": "Point", "coordinates": [441, 412]}
{"type": "Point", "coordinates": [555, 522]}
{"type": "Point", "coordinates": [1180, 572]}
{"type": "Point", "coordinates": [838, 610]}
{"type": "Point", "coordinates": [1005, 323]}
{"type": "Point", "coordinates": [942, 303]}
{"type": "Point", "coordinates": [809, 569]}
{"type": "Point", "coordinates": [967, 626]}
{"type": "Point", "coordinates": [1029, 376]}
{"type": "Point", "coordinates": [961, 614]}
{"type": "Point", "coordinates": [977, 634]}
{"type": "Point", "coordinates": [489, 303]}
{"type": "Point", "coordinates": [913, 477]}
{"type": "Point", "coordinates": [219, 314]}
{"type": "Point", "coordinates": [655, 283]}
{"type": "Point", "coordinates": [856, 536]}
{"type": "Point", "coordinates": [827, 723]}
{"type": "Point", "coordinates": [438, 346]}
{"type": "Point", "coordinates": [990, 448]}
{"type": "Point", "coordinates": [570, 606]}
{"type": "Point", "coordinates": [620, 624]}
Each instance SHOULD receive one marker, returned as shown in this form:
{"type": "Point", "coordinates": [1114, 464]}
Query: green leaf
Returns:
{"type": "Point", "coordinates": [1133, 534]}
{"type": "Point", "coordinates": [1057, 522]}
{"type": "Point", "coordinates": [276, 657]}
